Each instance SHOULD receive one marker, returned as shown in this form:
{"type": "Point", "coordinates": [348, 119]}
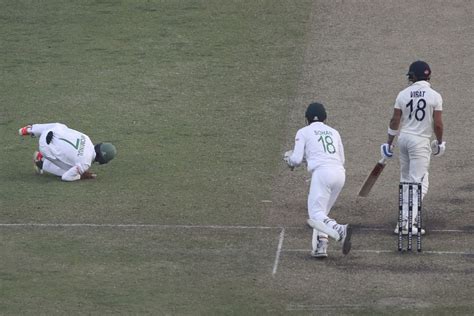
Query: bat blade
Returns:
{"type": "Point", "coordinates": [372, 178]}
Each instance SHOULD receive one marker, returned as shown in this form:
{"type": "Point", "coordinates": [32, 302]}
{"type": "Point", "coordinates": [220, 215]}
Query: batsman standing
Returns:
{"type": "Point", "coordinates": [417, 114]}
{"type": "Point", "coordinates": [322, 147]}
{"type": "Point", "coordinates": [65, 152]}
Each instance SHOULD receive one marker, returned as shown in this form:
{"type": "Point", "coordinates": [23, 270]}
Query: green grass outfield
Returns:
{"type": "Point", "coordinates": [194, 94]}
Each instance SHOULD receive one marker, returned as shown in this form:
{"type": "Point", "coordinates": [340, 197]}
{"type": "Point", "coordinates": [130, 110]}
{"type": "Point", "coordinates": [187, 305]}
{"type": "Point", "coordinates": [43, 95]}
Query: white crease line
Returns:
{"type": "Point", "coordinates": [430, 230]}
{"type": "Point", "coordinates": [200, 226]}
{"type": "Point", "coordinates": [278, 252]}
{"type": "Point", "coordinates": [391, 251]}
{"type": "Point", "coordinates": [423, 251]}
{"type": "Point", "coordinates": [301, 307]}
{"type": "Point", "coordinates": [133, 226]}
{"type": "Point", "coordinates": [450, 253]}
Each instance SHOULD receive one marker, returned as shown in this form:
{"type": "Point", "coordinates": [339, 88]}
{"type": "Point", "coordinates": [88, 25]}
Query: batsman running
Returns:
{"type": "Point", "coordinates": [65, 152]}
{"type": "Point", "coordinates": [321, 146]}
{"type": "Point", "coordinates": [417, 114]}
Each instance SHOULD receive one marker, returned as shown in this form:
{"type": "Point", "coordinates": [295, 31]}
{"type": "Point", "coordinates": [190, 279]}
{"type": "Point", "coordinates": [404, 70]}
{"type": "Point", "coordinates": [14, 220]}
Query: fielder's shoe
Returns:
{"type": "Point", "coordinates": [345, 231]}
{"type": "Point", "coordinates": [321, 250]}
{"type": "Point", "coordinates": [38, 162]}
{"type": "Point", "coordinates": [24, 131]}
{"type": "Point", "coordinates": [414, 230]}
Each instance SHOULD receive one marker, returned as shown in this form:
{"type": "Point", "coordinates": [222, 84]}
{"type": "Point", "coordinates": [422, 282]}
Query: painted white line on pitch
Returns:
{"type": "Point", "coordinates": [200, 226]}
{"type": "Point", "coordinates": [431, 230]}
{"type": "Point", "coordinates": [381, 229]}
{"type": "Point", "coordinates": [391, 251]}
{"type": "Point", "coordinates": [278, 253]}
{"type": "Point", "coordinates": [133, 226]}
{"type": "Point", "coordinates": [302, 307]}
{"type": "Point", "coordinates": [449, 252]}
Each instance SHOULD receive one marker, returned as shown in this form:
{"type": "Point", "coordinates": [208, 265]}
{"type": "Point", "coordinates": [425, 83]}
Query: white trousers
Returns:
{"type": "Point", "coordinates": [326, 184]}
{"type": "Point", "coordinates": [52, 168]}
{"type": "Point", "coordinates": [415, 154]}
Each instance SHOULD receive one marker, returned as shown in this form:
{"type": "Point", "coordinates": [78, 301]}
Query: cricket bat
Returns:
{"type": "Point", "coordinates": [372, 178]}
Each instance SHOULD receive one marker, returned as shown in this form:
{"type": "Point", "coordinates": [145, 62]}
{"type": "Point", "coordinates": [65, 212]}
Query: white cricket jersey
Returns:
{"type": "Point", "coordinates": [320, 144]}
{"type": "Point", "coordinates": [417, 103]}
{"type": "Point", "coordinates": [69, 149]}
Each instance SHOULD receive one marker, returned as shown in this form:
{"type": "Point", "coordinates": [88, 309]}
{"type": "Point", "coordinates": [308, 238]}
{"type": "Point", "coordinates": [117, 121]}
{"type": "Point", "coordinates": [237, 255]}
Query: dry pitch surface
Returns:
{"type": "Point", "coordinates": [355, 62]}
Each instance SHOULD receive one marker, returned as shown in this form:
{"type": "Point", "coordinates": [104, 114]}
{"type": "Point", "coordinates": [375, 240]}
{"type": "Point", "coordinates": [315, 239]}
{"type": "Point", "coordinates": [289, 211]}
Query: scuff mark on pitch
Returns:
{"type": "Point", "coordinates": [467, 188]}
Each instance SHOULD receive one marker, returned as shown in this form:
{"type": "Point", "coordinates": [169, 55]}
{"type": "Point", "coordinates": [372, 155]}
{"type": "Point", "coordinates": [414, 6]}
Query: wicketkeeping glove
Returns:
{"type": "Point", "coordinates": [386, 151]}
{"type": "Point", "coordinates": [286, 158]}
{"type": "Point", "coordinates": [438, 149]}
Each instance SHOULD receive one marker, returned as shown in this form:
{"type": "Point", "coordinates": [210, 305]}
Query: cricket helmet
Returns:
{"type": "Point", "coordinates": [104, 152]}
{"type": "Point", "coordinates": [419, 70]}
{"type": "Point", "coordinates": [315, 113]}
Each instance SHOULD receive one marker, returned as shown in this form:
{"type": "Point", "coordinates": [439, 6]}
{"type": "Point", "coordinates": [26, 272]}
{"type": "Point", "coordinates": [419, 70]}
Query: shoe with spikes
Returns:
{"type": "Point", "coordinates": [38, 162]}
{"type": "Point", "coordinates": [345, 231]}
{"type": "Point", "coordinates": [321, 250]}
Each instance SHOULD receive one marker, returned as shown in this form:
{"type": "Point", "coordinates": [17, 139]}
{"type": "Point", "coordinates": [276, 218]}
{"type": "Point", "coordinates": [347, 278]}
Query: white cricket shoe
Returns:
{"type": "Point", "coordinates": [38, 162]}
{"type": "Point", "coordinates": [321, 250]}
{"type": "Point", "coordinates": [345, 231]}
{"type": "Point", "coordinates": [414, 230]}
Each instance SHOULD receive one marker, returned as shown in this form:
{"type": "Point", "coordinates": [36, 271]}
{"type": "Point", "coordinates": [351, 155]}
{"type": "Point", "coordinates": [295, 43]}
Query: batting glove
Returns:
{"type": "Point", "coordinates": [438, 149]}
{"type": "Point", "coordinates": [386, 151]}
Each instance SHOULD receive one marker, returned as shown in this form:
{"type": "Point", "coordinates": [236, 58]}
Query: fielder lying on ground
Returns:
{"type": "Point", "coordinates": [65, 152]}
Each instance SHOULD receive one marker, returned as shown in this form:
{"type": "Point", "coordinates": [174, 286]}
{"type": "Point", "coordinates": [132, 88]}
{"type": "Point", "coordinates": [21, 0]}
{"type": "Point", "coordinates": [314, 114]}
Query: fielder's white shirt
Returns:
{"type": "Point", "coordinates": [320, 144]}
{"type": "Point", "coordinates": [69, 149]}
{"type": "Point", "coordinates": [417, 103]}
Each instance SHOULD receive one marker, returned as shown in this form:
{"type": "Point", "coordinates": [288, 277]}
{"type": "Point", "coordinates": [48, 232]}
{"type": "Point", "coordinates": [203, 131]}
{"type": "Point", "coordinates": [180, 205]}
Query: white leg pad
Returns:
{"type": "Point", "coordinates": [319, 225]}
